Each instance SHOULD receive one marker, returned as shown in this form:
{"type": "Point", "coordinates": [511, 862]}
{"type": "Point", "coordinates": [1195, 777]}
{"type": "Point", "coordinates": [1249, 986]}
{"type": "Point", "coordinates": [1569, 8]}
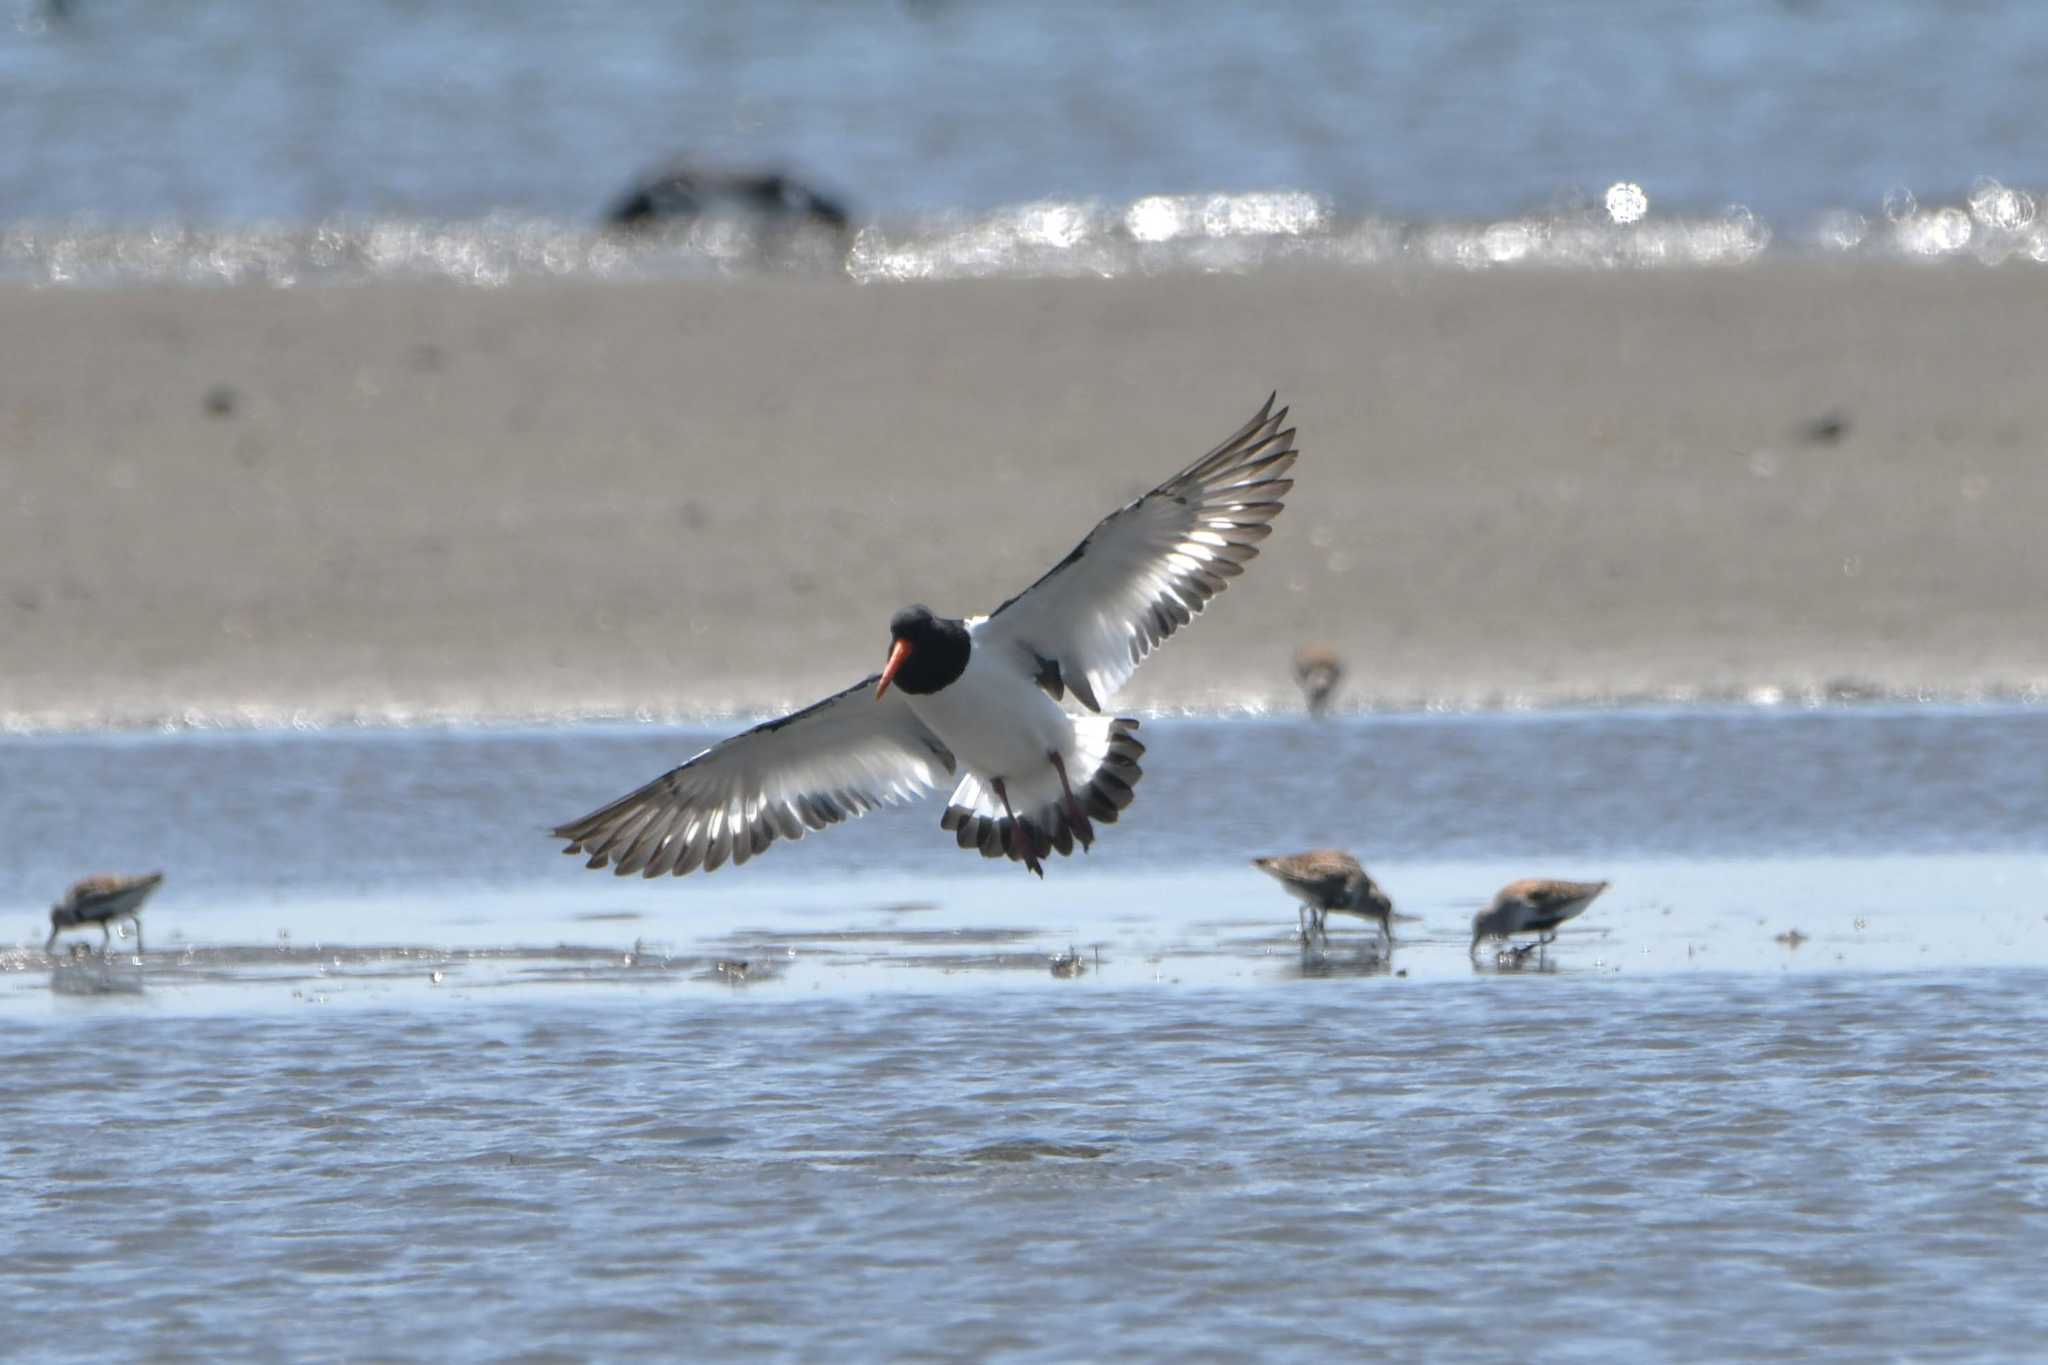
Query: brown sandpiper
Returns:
{"type": "Point", "coordinates": [1326, 880]}
{"type": "Point", "coordinates": [1533, 905]}
{"type": "Point", "coordinates": [103, 900]}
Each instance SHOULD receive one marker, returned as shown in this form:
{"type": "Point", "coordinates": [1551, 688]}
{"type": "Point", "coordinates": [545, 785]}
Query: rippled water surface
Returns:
{"type": "Point", "coordinates": [230, 112]}
{"type": "Point", "coordinates": [393, 1079]}
{"type": "Point", "coordinates": [482, 141]}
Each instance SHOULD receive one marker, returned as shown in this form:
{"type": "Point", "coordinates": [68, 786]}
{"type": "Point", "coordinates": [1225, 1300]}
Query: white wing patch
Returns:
{"type": "Point", "coordinates": [1038, 818]}
{"type": "Point", "coordinates": [1150, 567]}
{"type": "Point", "coordinates": [830, 762]}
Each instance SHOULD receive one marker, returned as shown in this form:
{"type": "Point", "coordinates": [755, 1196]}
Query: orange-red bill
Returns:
{"type": "Point", "coordinates": [898, 652]}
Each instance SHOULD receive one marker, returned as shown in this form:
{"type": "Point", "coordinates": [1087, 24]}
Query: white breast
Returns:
{"type": "Point", "coordinates": [995, 719]}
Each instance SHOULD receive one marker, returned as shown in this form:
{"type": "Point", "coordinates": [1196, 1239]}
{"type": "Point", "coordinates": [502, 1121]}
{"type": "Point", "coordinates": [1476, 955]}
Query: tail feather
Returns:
{"type": "Point", "coordinates": [1044, 824]}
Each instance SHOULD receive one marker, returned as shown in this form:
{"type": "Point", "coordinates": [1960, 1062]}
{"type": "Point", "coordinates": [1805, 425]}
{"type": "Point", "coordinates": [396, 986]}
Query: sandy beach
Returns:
{"type": "Point", "coordinates": [593, 497]}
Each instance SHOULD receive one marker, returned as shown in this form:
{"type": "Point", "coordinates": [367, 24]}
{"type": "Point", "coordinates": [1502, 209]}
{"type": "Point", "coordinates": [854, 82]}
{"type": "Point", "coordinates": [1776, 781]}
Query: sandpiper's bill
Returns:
{"type": "Point", "coordinates": [103, 900]}
{"type": "Point", "coordinates": [1533, 905]}
{"type": "Point", "coordinates": [1327, 879]}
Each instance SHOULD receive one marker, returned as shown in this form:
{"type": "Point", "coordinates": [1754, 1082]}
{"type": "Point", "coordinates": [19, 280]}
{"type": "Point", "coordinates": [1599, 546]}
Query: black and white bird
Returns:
{"type": "Point", "coordinates": [684, 192]}
{"type": "Point", "coordinates": [103, 900]}
{"type": "Point", "coordinates": [978, 700]}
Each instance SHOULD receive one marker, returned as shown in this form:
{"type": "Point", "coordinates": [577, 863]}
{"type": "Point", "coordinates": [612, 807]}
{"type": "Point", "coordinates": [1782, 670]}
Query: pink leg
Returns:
{"type": "Point", "coordinates": [1078, 818]}
{"type": "Point", "coordinates": [1020, 840]}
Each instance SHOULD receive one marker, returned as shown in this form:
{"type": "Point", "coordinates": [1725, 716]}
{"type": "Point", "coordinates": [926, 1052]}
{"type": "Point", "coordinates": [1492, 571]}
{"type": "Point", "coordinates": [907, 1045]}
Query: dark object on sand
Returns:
{"type": "Point", "coordinates": [1317, 671]}
{"type": "Point", "coordinates": [1825, 430]}
{"type": "Point", "coordinates": [1847, 689]}
{"type": "Point", "coordinates": [221, 401]}
{"type": "Point", "coordinates": [103, 900]}
{"type": "Point", "coordinates": [1326, 880]}
{"type": "Point", "coordinates": [677, 193]}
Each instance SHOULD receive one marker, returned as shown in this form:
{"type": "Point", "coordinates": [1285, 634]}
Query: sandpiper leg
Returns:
{"type": "Point", "coordinates": [137, 922]}
{"type": "Point", "coordinates": [1020, 838]}
{"type": "Point", "coordinates": [1078, 818]}
{"type": "Point", "coordinates": [1301, 920]}
{"type": "Point", "coordinates": [106, 939]}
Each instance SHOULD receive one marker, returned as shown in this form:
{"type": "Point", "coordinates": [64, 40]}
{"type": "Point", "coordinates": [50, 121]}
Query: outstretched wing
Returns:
{"type": "Point", "coordinates": [1149, 568]}
{"type": "Point", "coordinates": [840, 758]}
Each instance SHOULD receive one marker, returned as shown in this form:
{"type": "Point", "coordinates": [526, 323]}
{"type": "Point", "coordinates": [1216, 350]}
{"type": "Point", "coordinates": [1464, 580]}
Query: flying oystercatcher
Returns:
{"type": "Point", "coordinates": [978, 699]}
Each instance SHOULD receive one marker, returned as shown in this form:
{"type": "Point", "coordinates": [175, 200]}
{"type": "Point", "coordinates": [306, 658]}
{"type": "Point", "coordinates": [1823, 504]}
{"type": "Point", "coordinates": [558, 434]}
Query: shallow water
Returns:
{"type": "Point", "coordinates": [151, 144]}
{"type": "Point", "coordinates": [1561, 1167]}
{"type": "Point", "coordinates": [1673, 1135]}
{"type": "Point", "coordinates": [226, 113]}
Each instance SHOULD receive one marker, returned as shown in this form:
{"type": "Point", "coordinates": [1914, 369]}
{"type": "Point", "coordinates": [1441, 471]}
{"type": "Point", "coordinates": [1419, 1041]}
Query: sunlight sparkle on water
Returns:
{"type": "Point", "coordinates": [2000, 206]}
{"type": "Point", "coordinates": [1626, 202]}
{"type": "Point", "coordinates": [1044, 239]}
{"type": "Point", "coordinates": [1169, 217]}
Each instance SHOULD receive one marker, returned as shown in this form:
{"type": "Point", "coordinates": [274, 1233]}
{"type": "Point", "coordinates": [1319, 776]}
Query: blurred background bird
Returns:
{"type": "Point", "coordinates": [103, 900]}
{"type": "Point", "coordinates": [1317, 671]}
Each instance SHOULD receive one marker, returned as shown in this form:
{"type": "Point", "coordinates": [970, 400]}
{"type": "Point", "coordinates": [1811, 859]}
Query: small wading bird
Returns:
{"type": "Point", "coordinates": [102, 900]}
{"type": "Point", "coordinates": [1534, 905]}
{"type": "Point", "coordinates": [980, 698]}
{"type": "Point", "coordinates": [1326, 880]}
{"type": "Point", "coordinates": [1317, 671]}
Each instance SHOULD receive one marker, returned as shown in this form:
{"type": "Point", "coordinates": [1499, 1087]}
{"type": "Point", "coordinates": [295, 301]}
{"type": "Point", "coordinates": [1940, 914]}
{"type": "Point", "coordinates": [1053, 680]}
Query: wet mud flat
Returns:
{"type": "Point", "coordinates": [365, 862]}
{"type": "Point", "coordinates": [1224, 929]}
